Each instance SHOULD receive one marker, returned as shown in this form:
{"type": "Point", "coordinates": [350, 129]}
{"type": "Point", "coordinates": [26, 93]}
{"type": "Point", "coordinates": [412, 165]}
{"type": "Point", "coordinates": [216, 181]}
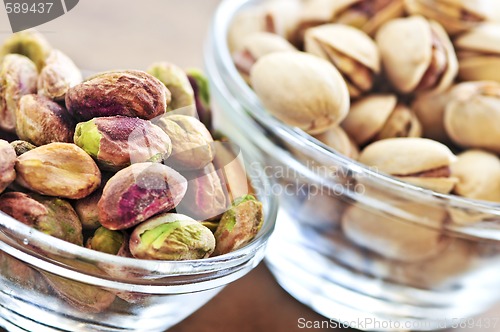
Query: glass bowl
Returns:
{"type": "Point", "coordinates": [355, 245]}
{"type": "Point", "coordinates": [51, 285]}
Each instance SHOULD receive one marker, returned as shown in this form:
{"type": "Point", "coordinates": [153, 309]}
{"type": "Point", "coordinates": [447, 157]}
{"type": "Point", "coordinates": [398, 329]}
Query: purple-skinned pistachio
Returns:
{"type": "Point", "coordinates": [171, 236]}
{"type": "Point", "coordinates": [118, 141]}
{"type": "Point", "coordinates": [41, 121]}
{"type": "Point", "coordinates": [138, 192]}
{"type": "Point", "coordinates": [52, 216]}
{"type": "Point", "coordinates": [201, 89]}
{"type": "Point", "coordinates": [239, 225]}
{"type": "Point", "coordinates": [130, 93]}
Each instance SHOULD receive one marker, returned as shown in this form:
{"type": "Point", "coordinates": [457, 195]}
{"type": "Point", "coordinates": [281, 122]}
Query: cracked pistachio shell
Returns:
{"type": "Point", "coordinates": [58, 169]}
{"type": "Point", "coordinates": [18, 77]}
{"type": "Point", "coordinates": [87, 210]}
{"type": "Point", "coordinates": [21, 147]}
{"type": "Point", "coordinates": [171, 236]}
{"type": "Point", "coordinates": [339, 140]}
{"type": "Point", "coordinates": [192, 143]}
{"type": "Point", "coordinates": [118, 141]}
{"type": "Point", "coordinates": [478, 174]}
{"type": "Point", "coordinates": [378, 117]}
{"type": "Point", "coordinates": [239, 225]}
{"type": "Point", "coordinates": [59, 74]}
{"type": "Point", "coordinates": [417, 52]}
{"type": "Point", "coordinates": [301, 90]}
{"type": "Point", "coordinates": [206, 195]}
{"type": "Point", "coordinates": [176, 81]}
{"type": "Point", "coordinates": [107, 241]}
{"type": "Point", "coordinates": [79, 295]}
{"type": "Point", "coordinates": [478, 52]}
{"type": "Point", "coordinates": [419, 161]}
{"type": "Point", "coordinates": [139, 192]}
{"type": "Point", "coordinates": [256, 46]}
{"type": "Point", "coordinates": [52, 216]}
{"type": "Point", "coordinates": [29, 43]}
{"type": "Point", "coordinates": [367, 16]}
{"type": "Point", "coordinates": [455, 16]}
{"type": "Point", "coordinates": [471, 117]}
{"type": "Point", "coordinates": [131, 93]}
{"type": "Point", "coordinates": [393, 237]}
{"type": "Point", "coordinates": [350, 50]}
{"type": "Point", "coordinates": [7, 165]}
{"type": "Point", "coordinates": [40, 121]}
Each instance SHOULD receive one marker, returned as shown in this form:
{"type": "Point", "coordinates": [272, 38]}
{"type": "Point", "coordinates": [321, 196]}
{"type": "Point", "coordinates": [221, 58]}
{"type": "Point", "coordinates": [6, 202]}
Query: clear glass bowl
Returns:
{"type": "Point", "coordinates": [51, 285]}
{"type": "Point", "coordinates": [357, 246]}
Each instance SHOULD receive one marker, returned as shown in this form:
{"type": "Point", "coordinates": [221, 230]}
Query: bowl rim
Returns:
{"type": "Point", "coordinates": [229, 79]}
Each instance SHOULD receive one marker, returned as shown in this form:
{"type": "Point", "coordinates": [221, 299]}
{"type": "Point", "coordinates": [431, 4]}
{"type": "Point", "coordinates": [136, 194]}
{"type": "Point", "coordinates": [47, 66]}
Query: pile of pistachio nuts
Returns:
{"type": "Point", "coordinates": [408, 87]}
{"type": "Point", "coordinates": [123, 162]}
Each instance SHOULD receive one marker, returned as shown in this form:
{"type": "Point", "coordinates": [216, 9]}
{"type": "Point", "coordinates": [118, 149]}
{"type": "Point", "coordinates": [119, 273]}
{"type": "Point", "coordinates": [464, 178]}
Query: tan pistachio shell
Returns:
{"type": "Point", "coordinates": [58, 76]}
{"type": "Point", "coordinates": [406, 156]}
{"type": "Point", "coordinates": [471, 118]}
{"type": "Point", "coordinates": [367, 117]}
{"type": "Point", "coordinates": [352, 52]}
{"type": "Point", "coordinates": [480, 68]}
{"type": "Point", "coordinates": [393, 237]}
{"type": "Point", "coordinates": [429, 108]}
{"type": "Point", "coordinates": [302, 90]}
{"type": "Point", "coordinates": [479, 175]}
{"type": "Point", "coordinates": [483, 38]}
{"type": "Point", "coordinates": [404, 57]}
{"type": "Point", "coordinates": [337, 139]}
{"type": "Point", "coordinates": [456, 16]}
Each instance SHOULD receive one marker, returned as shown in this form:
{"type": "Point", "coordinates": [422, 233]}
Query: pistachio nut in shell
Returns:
{"type": "Point", "coordinates": [139, 192]}
{"type": "Point", "coordinates": [478, 53]}
{"type": "Point", "coordinates": [171, 236]}
{"type": "Point", "coordinates": [29, 43]}
{"type": "Point", "coordinates": [107, 241]}
{"type": "Point", "coordinates": [367, 15]}
{"type": "Point", "coordinates": [21, 275]}
{"type": "Point", "coordinates": [256, 46]}
{"type": "Point", "coordinates": [58, 75]}
{"type": "Point", "coordinates": [115, 142]}
{"type": "Point", "coordinates": [420, 161]}
{"type": "Point", "coordinates": [380, 116]}
{"type": "Point", "coordinates": [21, 147]}
{"type": "Point", "coordinates": [7, 165]}
{"type": "Point", "coordinates": [87, 210]}
{"type": "Point", "coordinates": [58, 169]}
{"type": "Point", "coordinates": [417, 55]}
{"type": "Point", "coordinates": [478, 174]}
{"type": "Point", "coordinates": [50, 215]}
{"type": "Point", "coordinates": [40, 121]}
{"type": "Point", "coordinates": [301, 90]}
{"type": "Point", "coordinates": [176, 81]}
{"type": "Point", "coordinates": [239, 225]}
{"type": "Point", "coordinates": [350, 50]}
{"type": "Point", "coordinates": [84, 297]}
{"type": "Point", "coordinates": [206, 196]}
{"type": "Point", "coordinates": [201, 89]}
{"type": "Point", "coordinates": [130, 93]}
{"type": "Point", "coordinates": [471, 118]}
{"type": "Point", "coordinates": [18, 76]}
{"type": "Point", "coordinates": [339, 140]}
{"type": "Point", "coordinates": [455, 16]}
{"type": "Point", "coordinates": [192, 143]}
{"type": "Point", "coordinates": [393, 237]}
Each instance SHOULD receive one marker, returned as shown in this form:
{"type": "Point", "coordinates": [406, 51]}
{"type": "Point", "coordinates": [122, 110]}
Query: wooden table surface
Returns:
{"type": "Point", "coordinates": [113, 34]}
